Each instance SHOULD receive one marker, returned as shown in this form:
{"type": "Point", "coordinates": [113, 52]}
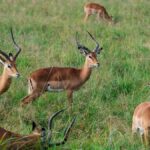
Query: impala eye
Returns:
{"type": "Point", "coordinates": [90, 57]}
{"type": "Point", "coordinates": [9, 66]}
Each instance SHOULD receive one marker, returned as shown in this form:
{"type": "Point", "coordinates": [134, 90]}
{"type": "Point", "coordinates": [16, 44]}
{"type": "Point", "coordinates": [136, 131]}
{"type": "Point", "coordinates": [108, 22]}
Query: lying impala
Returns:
{"type": "Point", "coordinates": [94, 8]}
{"type": "Point", "coordinates": [141, 122]}
{"type": "Point", "coordinates": [10, 70]}
{"type": "Point", "coordinates": [58, 79]}
{"type": "Point", "coordinates": [38, 137]}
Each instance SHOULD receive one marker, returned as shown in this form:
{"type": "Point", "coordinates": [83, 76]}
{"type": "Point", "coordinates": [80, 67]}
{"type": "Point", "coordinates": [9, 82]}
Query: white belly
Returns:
{"type": "Point", "coordinates": [93, 11]}
{"type": "Point", "coordinates": [51, 89]}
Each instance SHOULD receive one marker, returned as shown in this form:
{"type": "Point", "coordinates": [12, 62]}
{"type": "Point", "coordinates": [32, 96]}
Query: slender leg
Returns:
{"type": "Point", "coordinates": [70, 99]}
{"type": "Point", "coordinates": [143, 138]}
{"type": "Point", "coordinates": [98, 16]}
{"type": "Point", "coordinates": [146, 137]}
{"type": "Point", "coordinates": [35, 94]}
{"type": "Point", "coordinates": [134, 134]}
{"type": "Point", "coordinates": [102, 15]}
{"type": "Point", "coordinates": [86, 17]}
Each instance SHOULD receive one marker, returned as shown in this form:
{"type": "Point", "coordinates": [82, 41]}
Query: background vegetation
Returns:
{"type": "Point", "coordinates": [45, 30]}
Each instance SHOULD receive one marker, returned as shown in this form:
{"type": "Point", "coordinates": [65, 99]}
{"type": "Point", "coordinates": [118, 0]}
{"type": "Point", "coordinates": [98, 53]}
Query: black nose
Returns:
{"type": "Point", "coordinates": [98, 64]}
{"type": "Point", "coordinates": [17, 75]}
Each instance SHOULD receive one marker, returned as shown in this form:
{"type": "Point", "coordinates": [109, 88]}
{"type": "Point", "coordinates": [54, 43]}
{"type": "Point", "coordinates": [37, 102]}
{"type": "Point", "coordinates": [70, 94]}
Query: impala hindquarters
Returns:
{"type": "Point", "coordinates": [141, 122]}
{"type": "Point", "coordinates": [59, 79]}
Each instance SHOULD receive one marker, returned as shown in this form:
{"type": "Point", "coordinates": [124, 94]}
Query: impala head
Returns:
{"type": "Point", "coordinates": [91, 56]}
{"type": "Point", "coordinates": [9, 61]}
{"type": "Point", "coordinates": [47, 135]}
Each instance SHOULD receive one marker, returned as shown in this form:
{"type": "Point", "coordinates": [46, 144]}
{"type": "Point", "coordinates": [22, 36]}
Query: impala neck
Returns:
{"type": "Point", "coordinates": [5, 81]}
{"type": "Point", "coordinates": [85, 72]}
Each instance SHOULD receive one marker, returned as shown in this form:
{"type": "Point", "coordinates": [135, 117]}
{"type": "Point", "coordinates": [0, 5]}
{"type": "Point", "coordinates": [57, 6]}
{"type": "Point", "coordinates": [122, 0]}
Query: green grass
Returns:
{"type": "Point", "coordinates": [45, 30]}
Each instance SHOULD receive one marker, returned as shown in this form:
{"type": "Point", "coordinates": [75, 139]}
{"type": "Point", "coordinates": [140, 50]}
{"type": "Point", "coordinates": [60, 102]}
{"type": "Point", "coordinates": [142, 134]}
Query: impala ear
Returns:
{"type": "Point", "coordinates": [11, 56]}
{"type": "Point", "coordinates": [84, 52]}
{"type": "Point", "coordinates": [33, 125]}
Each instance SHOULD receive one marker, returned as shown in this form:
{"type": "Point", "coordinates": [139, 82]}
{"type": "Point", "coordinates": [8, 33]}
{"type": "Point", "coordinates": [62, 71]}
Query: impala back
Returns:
{"type": "Point", "coordinates": [93, 8]}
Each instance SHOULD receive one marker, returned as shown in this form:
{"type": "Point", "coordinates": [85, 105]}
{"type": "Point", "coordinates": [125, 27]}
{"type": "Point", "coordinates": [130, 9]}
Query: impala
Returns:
{"type": "Point", "coordinates": [38, 137]}
{"type": "Point", "coordinates": [99, 10]}
{"type": "Point", "coordinates": [59, 79]}
{"type": "Point", "coordinates": [10, 70]}
{"type": "Point", "coordinates": [141, 122]}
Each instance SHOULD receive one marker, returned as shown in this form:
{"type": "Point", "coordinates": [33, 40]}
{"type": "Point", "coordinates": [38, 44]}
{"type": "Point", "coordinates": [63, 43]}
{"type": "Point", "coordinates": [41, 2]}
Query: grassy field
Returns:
{"type": "Point", "coordinates": [45, 30]}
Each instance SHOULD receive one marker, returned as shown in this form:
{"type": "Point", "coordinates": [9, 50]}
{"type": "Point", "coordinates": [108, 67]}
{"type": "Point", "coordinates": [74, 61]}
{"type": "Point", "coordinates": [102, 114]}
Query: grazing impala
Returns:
{"type": "Point", "coordinates": [94, 8]}
{"type": "Point", "coordinates": [141, 122]}
{"type": "Point", "coordinates": [38, 137]}
{"type": "Point", "coordinates": [10, 70]}
{"type": "Point", "coordinates": [58, 79]}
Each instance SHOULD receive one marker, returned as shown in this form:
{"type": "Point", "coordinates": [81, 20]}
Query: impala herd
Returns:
{"type": "Point", "coordinates": [61, 79]}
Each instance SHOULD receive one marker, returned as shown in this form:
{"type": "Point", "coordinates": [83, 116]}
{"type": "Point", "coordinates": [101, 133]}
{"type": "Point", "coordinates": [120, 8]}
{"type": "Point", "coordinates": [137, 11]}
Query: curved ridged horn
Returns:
{"type": "Point", "coordinates": [52, 117]}
{"type": "Point", "coordinates": [66, 135]}
{"type": "Point", "coordinates": [15, 45]}
{"type": "Point", "coordinates": [82, 48]}
{"type": "Point", "coordinates": [98, 48]}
